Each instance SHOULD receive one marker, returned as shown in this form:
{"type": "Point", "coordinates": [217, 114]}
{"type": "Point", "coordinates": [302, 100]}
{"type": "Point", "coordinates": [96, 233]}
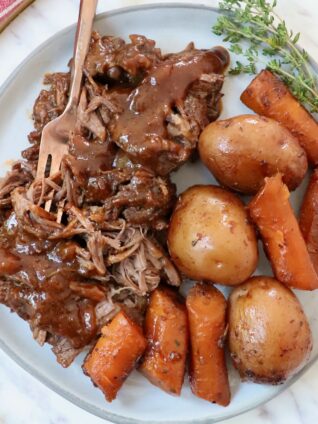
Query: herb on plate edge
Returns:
{"type": "Point", "coordinates": [254, 29]}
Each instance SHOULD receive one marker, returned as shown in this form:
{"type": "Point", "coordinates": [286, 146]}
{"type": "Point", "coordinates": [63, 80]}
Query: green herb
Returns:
{"type": "Point", "coordinates": [255, 30]}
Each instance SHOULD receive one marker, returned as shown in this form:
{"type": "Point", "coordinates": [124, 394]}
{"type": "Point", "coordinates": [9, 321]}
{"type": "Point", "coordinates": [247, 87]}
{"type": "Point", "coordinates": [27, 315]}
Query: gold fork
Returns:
{"type": "Point", "coordinates": [55, 134]}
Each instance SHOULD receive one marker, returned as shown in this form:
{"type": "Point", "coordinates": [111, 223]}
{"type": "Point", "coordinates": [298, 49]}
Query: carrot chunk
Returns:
{"type": "Point", "coordinates": [282, 238]}
{"type": "Point", "coordinates": [115, 354]}
{"type": "Point", "coordinates": [166, 328]}
{"type": "Point", "coordinates": [207, 318]}
{"type": "Point", "coordinates": [267, 95]}
{"type": "Point", "coordinates": [308, 221]}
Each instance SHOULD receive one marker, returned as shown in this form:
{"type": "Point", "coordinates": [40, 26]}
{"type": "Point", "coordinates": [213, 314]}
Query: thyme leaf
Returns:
{"type": "Point", "coordinates": [256, 32]}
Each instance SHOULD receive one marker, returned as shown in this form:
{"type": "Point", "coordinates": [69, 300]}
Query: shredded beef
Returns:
{"type": "Point", "coordinates": [51, 103]}
{"type": "Point", "coordinates": [68, 272]}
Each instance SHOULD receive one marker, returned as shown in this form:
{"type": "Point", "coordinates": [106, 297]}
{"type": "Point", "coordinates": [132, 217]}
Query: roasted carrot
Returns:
{"type": "Point", "coordinates": [207, 318]}
{"type": "Point", "coordinates": [166, 329]}
{"type": "Point", "coordinates": [115, 354]}
{"type": "Point", "coordinates": [282, 238]}
{"type": "Point", "coordinates": [308, 221]}
{"type": "Point", "coordinates": [267, 95]}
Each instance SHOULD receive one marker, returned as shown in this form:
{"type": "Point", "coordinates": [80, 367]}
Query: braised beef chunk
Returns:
{"type": "Point", "coordinates": [141, 128]}
{"type": "Point", "coordinates": [113, 59]}
{"type": "Point", "coordinates": [67, 272]}
{"type": "Point", "coordinates": [132, 192]}
{"type": "Point", "coordinates": [158, 121]}
{"type": "Point", "coordinates": [202, 103]}
{"type": "Point", "coordinates": [137, 193]}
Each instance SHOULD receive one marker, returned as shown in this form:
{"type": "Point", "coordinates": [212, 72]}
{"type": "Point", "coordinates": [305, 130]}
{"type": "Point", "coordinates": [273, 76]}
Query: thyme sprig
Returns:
{"type": "Point", "coordinates": [257, 33]}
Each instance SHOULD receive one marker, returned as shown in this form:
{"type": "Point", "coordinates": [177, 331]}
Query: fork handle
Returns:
{"type": "Point", "coordinates": [81, 46]}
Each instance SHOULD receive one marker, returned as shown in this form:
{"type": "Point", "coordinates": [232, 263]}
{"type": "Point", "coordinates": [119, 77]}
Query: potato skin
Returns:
{"type": "Point", "coordinates": [241, 151]}
{"type": "Point", "coordinates": [208, 229]}
{"type": "Point", "coordinates": [269, 335]}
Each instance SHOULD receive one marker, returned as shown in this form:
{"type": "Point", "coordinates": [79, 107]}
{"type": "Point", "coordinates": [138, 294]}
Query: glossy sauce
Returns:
{"type": "Point", "coordinates": [141, 127]}
{"type": "Point", "coordinates": [41, 272]}
{"type": "Point", "coordinates": [44, 270]}
{"type": "Point", "coordinates": [89, 158]}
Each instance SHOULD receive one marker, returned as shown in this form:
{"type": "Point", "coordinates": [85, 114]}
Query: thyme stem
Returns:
{"type": "Point", "coordinates": [256, 23]}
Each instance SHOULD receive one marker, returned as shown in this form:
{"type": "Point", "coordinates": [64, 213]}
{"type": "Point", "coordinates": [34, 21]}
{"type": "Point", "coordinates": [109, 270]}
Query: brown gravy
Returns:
{"type": "Point", "coordinates": [141, 127]}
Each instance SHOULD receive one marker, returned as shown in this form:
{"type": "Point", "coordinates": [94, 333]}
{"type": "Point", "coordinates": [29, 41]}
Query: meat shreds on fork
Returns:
{"type": "Point", "coordinates": [139, 117]}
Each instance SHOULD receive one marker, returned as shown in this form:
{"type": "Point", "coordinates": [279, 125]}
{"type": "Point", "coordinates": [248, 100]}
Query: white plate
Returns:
{"type": "Point", "coordinates": [172, 26]}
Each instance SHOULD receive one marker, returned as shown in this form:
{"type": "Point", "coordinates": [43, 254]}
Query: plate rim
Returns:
{"type": "Point", "coordinates": [95, 410]}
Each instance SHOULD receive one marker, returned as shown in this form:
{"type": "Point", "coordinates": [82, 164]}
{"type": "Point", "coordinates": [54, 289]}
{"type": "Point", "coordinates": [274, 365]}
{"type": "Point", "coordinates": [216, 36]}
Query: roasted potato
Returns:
{"type": "Point", "coordinates": [308, 220]}
{"type": "Point", "coordinates": [167, 333]}
{"type": "Point", "coordinates": [269, 335]}
{"type": "Point", "coordinates": [241, 151]}
{"type": "Point", "coordinates": [267, 95]}
{"type": "Point", "coordinates": [282, 238]}
{"type": "Point", "coordinates": [115, 354]}
{"type": "Point", "coordinates": [207, 318]}
{"type": "Point", "coordinates": [210, 237]}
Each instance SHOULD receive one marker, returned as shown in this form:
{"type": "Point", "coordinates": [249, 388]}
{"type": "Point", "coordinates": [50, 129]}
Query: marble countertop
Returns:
{"type": "Point", "coordinates": [22, 398]}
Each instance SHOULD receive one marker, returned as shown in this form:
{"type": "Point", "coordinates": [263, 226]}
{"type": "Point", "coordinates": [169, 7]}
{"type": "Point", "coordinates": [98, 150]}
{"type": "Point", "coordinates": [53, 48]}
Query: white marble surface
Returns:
{"type": "Point", "coordinates": [23, 399]}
